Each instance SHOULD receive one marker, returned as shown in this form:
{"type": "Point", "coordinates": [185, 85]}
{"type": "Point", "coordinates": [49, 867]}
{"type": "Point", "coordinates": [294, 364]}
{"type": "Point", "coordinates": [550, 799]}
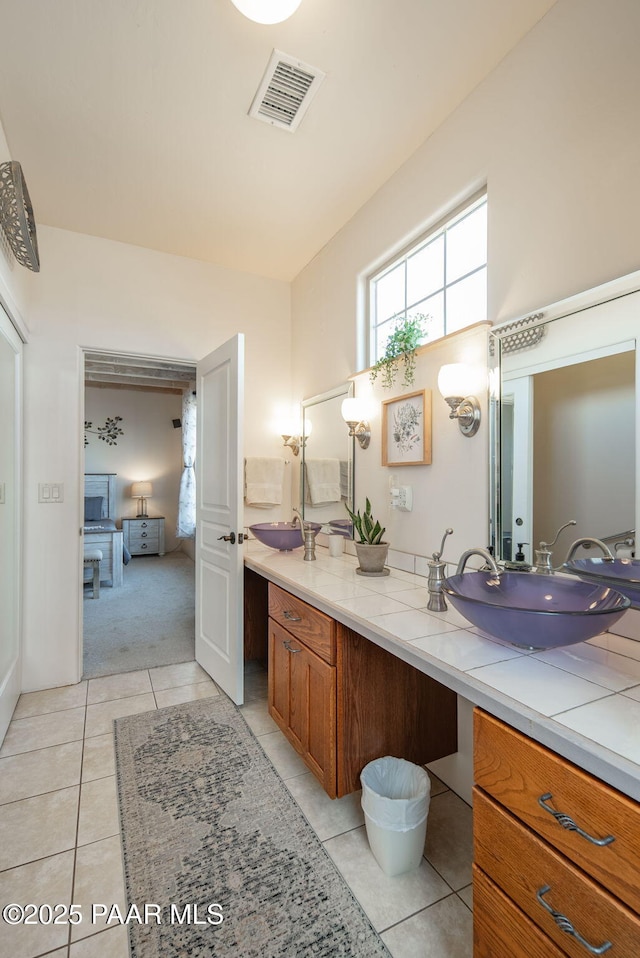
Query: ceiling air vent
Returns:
{"type": "Point", "coordinates": [286, 90]}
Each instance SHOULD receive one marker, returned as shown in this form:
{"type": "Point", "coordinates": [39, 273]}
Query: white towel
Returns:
{"type": "Point", "coordinates": [345, 484]}
{"type": "Point", "coordinates": [323, 480]}
{"type": "Point", "coordinates": [264, 479]}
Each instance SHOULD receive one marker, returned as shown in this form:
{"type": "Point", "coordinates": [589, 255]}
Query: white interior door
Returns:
{"type": "Point", "coordinates": [10, 513]}
{"type": "Point", "coordinates": [219, 517]}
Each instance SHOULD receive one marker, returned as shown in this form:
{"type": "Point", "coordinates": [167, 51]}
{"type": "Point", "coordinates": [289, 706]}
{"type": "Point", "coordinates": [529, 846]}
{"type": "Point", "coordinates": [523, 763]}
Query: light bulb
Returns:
{"type": "Point", "coordinates": [267, 11]}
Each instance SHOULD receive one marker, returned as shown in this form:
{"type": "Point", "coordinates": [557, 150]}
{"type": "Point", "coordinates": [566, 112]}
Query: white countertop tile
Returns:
{"type": "Point", "coordinates": [594, 664]}
{"type": "Point", "coordinates": [613, 722]}
{"type": "Point", "coordinates": [546, 689]}
{"type": "Point", "coordinates": [465, 650]}
{"type": "Point", "coordinates": [367, 607]}
{"type": "Point", "coordinates": [616, 643]}
{"type": "Point", "coordinates": [411, 624]}
{"type": "Point", "coordinates": [416, 598]}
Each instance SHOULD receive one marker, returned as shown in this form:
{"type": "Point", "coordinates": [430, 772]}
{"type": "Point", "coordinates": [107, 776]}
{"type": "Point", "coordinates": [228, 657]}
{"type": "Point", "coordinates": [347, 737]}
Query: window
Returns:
{"type": "Point", "coordinates": [443, 277]}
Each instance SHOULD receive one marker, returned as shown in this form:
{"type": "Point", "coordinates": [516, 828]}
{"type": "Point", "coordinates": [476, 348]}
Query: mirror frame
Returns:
{"type": "Point", "coordinates": [599, 295]}
{"type": "Point", "coordinates": [346, 391]}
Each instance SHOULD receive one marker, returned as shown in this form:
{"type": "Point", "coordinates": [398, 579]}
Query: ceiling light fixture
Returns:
{"type": "Point", "coordinates": [267, 11]}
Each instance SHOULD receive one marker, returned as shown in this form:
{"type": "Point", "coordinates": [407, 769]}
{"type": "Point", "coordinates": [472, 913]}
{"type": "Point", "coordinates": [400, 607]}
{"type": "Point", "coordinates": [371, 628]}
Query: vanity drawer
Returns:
{"type": "Point", "coordinates": [501, 929]}
{"type": "Point", "coordinates": [519, 773]}
{"type": "Point", "coordinates": [533, 875]}
{"type": "Point", "coordinates": [314, 628]}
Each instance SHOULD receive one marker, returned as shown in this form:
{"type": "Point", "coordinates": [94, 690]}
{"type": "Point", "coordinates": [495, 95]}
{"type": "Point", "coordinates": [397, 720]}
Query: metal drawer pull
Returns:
{"type": "Point", "coordinates": [564, 924]}
{"type": "Point", "coordinates": [291, 617]}
{"type": "Point", "coordinates": [285, 642]}
{"type": "Point", "coordinates": [569, 823]}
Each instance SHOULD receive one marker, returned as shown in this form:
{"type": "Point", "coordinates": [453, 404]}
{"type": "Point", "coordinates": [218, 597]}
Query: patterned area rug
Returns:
{"type": "Point", "coordinates": [213, 838]}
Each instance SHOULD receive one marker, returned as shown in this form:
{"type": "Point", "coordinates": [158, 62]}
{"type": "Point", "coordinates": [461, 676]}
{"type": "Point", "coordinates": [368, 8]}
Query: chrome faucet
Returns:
{"type": "Point", "coordinates": [437, 602]}
{"type": "Point", "coordinates": [308, 536]}
{"type": "Point", "coordinates": [484, 554]}
{"type": "Point", "coordinates": [543, 554]}
{"type": "Point", "coordinates": [589, 540]}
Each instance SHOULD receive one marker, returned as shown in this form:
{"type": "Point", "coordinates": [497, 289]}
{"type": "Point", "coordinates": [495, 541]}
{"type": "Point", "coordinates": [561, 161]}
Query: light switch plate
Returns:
{"type": "Point", "coordinates": [50, 492]}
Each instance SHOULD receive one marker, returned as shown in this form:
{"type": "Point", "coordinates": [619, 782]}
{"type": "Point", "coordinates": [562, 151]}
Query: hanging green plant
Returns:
{"type": "Point", "coordinates": [401, 348]}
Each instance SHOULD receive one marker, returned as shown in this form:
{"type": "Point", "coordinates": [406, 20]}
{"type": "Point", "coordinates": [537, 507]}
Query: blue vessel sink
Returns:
{"type": "Point", "coordinates": [535, 611]}
{"type": "Point", "coordinates": [621, 574]}
{"type": "Point", "coordinates": [283, 536]}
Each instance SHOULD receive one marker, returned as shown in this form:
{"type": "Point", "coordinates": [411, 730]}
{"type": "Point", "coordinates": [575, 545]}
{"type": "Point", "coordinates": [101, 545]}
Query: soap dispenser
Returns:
{"type": "Point", "coordinates": [519, 562]}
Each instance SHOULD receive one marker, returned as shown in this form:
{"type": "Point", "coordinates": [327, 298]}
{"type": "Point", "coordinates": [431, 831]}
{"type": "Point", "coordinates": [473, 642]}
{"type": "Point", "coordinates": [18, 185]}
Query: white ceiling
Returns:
{"type": "Point", "coordinates": [129, 117]}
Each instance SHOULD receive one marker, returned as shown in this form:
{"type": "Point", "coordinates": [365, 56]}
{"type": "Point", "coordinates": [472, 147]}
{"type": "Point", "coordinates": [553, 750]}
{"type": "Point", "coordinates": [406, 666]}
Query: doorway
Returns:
{"type": "Point", "coordinates": [133, 433]}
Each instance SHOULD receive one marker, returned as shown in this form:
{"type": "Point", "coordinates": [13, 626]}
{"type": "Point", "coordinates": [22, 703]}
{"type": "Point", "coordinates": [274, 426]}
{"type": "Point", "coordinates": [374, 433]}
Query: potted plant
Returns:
{"type": "Point", "coordinates": [401, 348]}
{"type": "Point", "coordinates": [371, 550]}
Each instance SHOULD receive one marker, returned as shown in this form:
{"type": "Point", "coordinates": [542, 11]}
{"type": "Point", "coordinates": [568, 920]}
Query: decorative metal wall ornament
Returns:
{"type": "Point", "coordinates": [107, 433]}
{"type": "Point", "coordinates": [521, 334]}
{"type": "Point", "coordinates": [16, 216]}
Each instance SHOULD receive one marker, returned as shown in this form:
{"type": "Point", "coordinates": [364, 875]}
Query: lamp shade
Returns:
{"type": "Point", "coordinates": [141, 489]}
{"type": "Point", "coordinates": [267, 11]}
{"type": "Point", "coordinates": [454, 380]}
{"type": "Point", "coordinates": [353, 410]}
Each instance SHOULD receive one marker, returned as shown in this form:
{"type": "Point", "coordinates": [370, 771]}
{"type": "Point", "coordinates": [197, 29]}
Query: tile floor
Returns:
{"type": "Point", "coordinates": [59, 831]}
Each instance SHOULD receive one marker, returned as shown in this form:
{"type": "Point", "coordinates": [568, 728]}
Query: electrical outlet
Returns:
{"type": "Point", "coordinates": [401, 498]}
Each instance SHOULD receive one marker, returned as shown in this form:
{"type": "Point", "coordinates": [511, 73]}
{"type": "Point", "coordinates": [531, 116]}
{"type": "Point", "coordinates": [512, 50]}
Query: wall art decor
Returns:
{"type": "Point", "coordinates": [406, 430]}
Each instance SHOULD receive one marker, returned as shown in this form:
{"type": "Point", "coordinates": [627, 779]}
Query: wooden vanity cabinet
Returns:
{"type": "Point", "coordinates": [536, 867]}
{"type": "Point", "coordinates": [342, 701]}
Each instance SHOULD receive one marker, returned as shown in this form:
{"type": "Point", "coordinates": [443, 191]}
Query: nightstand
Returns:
{"type": "Point", "coordinates": [144, 535]}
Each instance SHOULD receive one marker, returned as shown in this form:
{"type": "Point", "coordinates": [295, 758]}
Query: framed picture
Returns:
{"type": "Point", "coordinates": [406, 430]}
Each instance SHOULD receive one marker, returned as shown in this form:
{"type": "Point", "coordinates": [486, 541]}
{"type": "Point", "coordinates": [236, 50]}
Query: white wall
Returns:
{"type": "Point", "coordinates": [150, 448]}
{"type": "Point", "coordinates": [109, 296]}
{"type": "Point", "coordinates": [553, 132]}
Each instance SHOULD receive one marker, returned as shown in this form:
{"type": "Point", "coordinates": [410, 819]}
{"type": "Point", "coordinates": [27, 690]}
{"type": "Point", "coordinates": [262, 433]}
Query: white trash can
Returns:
{"type": "Point", "coordinates": [395, 802]}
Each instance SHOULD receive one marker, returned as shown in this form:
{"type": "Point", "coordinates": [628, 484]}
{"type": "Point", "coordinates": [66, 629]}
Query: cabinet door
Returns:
{"type": "Point", "coordinates": [279, 675]}
{"type": "Point", "coordinates": [312, 713]}
{"type": "Point", "coordinates": [302, 701]}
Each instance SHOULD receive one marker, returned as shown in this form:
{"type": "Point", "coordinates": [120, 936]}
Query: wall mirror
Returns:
{"type": "Point", "coordinates": [565, 424]}
{"type": "Point", "coordinates": [326, 480]}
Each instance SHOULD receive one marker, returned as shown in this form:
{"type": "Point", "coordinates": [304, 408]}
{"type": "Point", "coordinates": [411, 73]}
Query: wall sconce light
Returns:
{"type": "Point", "coordinates": [267, 11]}
{"type": "Point", "coordinates": [295, 437]}
{"type": "Point", "coordinates": [353, 412]}
{"type": "Point", "coordinates": [141, 491]}
{"type": "Point", "coordinates": [454, 381]}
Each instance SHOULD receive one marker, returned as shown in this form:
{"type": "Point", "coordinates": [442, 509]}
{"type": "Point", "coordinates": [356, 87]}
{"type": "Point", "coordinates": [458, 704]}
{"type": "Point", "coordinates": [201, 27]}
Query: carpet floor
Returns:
{"type": "Point", "coordinates": [211, 831]}
{"type": "Point", "coordinates": [148, 622]}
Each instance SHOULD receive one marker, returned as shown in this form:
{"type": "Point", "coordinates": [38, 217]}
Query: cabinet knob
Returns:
{"type": "Point", "coordinates": [285, 642]}
{"type": "Point", "coordinates": [144, 525]}
{"type": "Point", "coordinates": [143, 534]}
{"type": "Point", "coordinates": [144, 545]}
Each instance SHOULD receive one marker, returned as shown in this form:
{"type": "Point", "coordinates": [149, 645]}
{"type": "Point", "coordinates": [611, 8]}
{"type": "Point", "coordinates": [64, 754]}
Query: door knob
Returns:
{"type": "Point", "coordinates": [230, 538]}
